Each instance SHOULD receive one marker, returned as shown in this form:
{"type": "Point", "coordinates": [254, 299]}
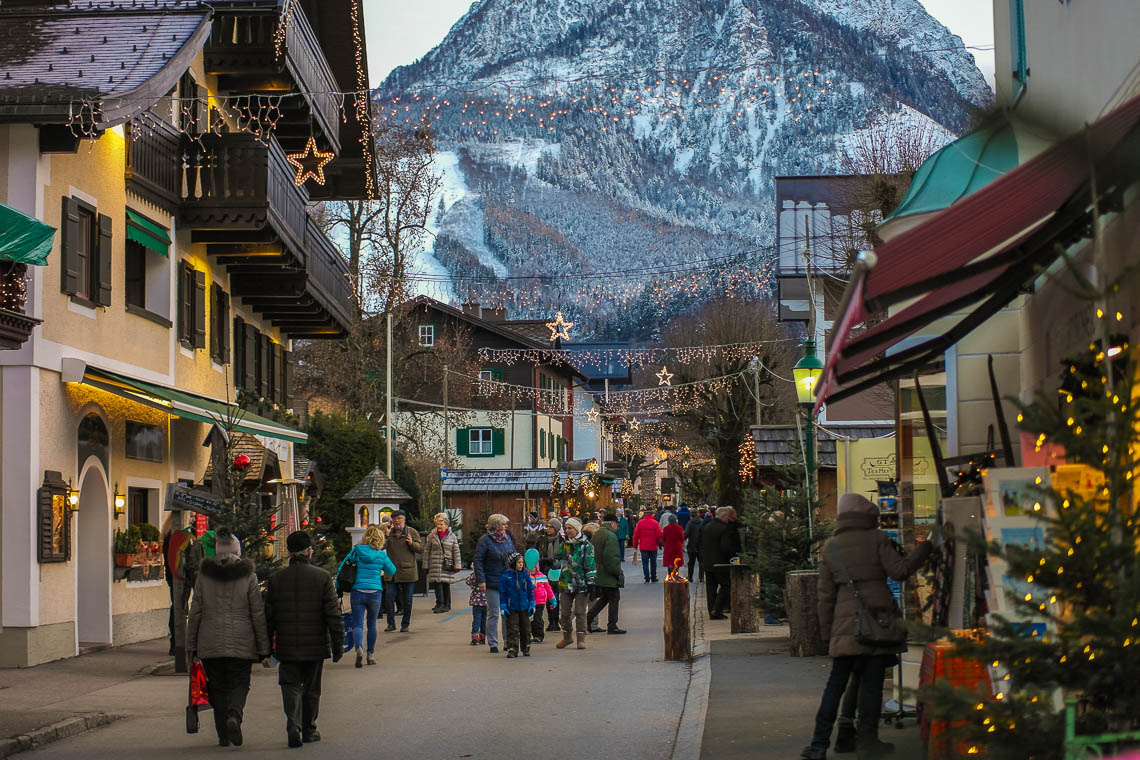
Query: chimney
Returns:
{"type": "Point", "coordinates": [471, 308]}
{"type": "Point", "coordinates": [497, 314]}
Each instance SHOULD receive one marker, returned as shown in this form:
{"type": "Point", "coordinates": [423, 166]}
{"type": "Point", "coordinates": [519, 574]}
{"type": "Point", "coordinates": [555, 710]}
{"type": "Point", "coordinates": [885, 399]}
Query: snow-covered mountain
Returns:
{"type": "Point", "coordinates": [598, 135]}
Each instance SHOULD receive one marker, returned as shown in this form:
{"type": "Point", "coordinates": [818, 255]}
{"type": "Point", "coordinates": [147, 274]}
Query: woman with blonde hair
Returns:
{"type": "Point", "coordinates": [441, 558]}
{"type": "Point", "coordinates": [371, 563]}
{"type": "Point", "coordinates": [491, 555]}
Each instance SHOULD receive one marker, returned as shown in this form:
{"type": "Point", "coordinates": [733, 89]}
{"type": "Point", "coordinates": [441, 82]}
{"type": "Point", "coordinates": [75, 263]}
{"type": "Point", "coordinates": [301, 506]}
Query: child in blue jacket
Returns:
{"type": "Point", "coordinates": [516, 598]}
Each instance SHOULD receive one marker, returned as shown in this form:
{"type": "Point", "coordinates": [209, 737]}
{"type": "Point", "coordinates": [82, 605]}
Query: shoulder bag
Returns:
{"type": "Point", "coordinates": [879, 627]}
{"type": "Point", "coordinates": [346, 576]}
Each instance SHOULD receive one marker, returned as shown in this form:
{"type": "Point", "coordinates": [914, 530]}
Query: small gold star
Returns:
{"type": "Point", "coordinates": [665, 377]}
{"type": "Point", "coordinates": [310, 163]}
{"type": "Point", "coordinates": [559, 328]}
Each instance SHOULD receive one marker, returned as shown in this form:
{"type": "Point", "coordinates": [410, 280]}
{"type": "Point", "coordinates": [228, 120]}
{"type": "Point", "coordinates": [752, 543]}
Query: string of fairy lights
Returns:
{"type": "Point", "coordinates": [634, 358]}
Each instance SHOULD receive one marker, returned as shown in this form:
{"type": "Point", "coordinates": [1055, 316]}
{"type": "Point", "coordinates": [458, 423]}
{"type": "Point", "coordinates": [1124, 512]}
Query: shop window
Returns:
{"type": "Point", "coordinates": [144, 441]}
{"type": "Point", "coordinates": [138, 506]}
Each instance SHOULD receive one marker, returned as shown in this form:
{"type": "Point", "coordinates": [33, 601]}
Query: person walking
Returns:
{"type": "Point", "coordinates": [859, 556]}
{"type": "Point", "coordinates": [545, 600]}
{"type": "Point", "coordinates": [623, 532]}
{"type": "Point", "coordinates": [441, 560]}
{"type": "Point", "coordinates": [576, 561]}
{"type": "Point", "coordinates": [490, 561]}
{"type": "Point", "coordinates": [404, 544]}
{"type": "Point", "coordinates": [516, 597]}
{"type": "Point", "coordinates": [372, 563]}
{"type": "Point", "coordinates": [549, 543]}
{"type": "Point", "coordinates": [683, 516]}
{"type": "Point", "coordinates": [720, 542]}
{"type": "Point", "coordinates": [304, 620]}
{"type": "Point", "coordinates": [673, 542]}
{"type": "Point", "coordinates": [227, 631]}
{"type": "Point", "coordinates": [610, 579]}
{"type": "Point", "coordinates": [693, 546]}
{"type": "Point", "coordinates": [647, 538]}
{"type": "Point", "coordinates": [478, 603]}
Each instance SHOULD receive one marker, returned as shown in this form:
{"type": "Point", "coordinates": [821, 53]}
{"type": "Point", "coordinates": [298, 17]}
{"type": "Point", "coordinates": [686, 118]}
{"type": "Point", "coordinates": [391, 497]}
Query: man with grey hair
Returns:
{"type": "Point", "coordinates": [720, 542]}
{"type": "Point", "coordinates": [304, 617]}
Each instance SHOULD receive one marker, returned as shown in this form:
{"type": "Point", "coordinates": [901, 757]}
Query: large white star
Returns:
{"type": "Point", "coordinates": [664, 377]}
{"type": "Point", "coordinates": [592, 414]}
{"type": "Point", "coordinates": [634, 424]}
{"type": "Point", "coordinates": [559, 328]}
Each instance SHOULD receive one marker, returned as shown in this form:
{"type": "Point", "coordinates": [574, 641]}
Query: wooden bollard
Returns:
{"type": "Point", "coordinates": [745, 585]}
{"type": "Point", "coordinates": [803, 614]}
{"type": "Point", "coordinates": [678, 640]}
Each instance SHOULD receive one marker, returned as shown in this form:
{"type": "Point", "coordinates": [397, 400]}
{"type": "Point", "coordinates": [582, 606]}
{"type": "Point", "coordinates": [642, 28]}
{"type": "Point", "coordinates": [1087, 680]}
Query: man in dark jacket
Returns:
{"type": "Point", "coordinates": [304, 619]}
{"type": "Point", "coordinates": [610, 578]}
{"type": "Point", "coordinates": [693, 546]}
{"type": "Point", "coordinates": [720, 542]}
{"type": "Point", "coordinates": [404, 543]}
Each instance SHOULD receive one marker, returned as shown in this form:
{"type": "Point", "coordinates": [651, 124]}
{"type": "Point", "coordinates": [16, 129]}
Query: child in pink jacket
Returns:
{"type": "Point", "coordinates": [543, 594]}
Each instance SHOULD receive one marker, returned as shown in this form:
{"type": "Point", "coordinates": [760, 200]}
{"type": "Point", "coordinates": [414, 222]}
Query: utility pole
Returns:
{"type": "Point", "coordinates": [390, 433]}
{"type": "Point", "coordinates": [446, 437]}
{"type": "Point", "coordinates": [809, 448]}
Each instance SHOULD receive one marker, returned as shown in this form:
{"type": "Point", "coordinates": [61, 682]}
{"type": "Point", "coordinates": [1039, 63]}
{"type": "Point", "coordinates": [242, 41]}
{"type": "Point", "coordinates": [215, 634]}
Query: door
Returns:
{"type": "Point", "coordinates": [93, 561]}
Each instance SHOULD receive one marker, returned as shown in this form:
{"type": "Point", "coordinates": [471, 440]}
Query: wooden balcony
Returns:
{"type": "Point", "coordinates": [240, 200]}
{"type": "Point", "coordinates": [267, 47]}
{"type": "Point", "coordinates": [154, 164]}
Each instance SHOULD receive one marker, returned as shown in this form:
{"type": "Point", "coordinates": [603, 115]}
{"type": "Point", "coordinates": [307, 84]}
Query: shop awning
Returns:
{"type": "Point", "coordinates": [24, 239]}
{"type": "Point", "coordinates": [981, 250]}
{"type": "Point", "coordinates": [188, 405]}
{"type": "Point", "coordinates": [147, 234]}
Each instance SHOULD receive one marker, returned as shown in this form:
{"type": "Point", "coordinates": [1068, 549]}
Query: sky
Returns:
{"type": "Point", "coordinates": [399, 32]}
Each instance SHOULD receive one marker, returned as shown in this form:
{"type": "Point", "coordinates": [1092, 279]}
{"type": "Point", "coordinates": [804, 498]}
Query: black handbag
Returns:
{"type": "Point", "coordinates": [346, 576]}
{"type": "Point", "coordinates": [879, 627]}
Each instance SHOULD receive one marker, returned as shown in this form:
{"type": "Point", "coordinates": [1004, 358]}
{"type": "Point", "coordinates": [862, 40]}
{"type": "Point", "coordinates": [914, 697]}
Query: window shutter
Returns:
{"type": "Point", "coordinates": [498, 375]}
{"type": "Point", "coordinates": [223, 321]}
{"type": "Point", "coordinates": [278, 374]}
{"type": "Point", "coordinates": [462, 441]}
{"type": "Point", "coordinates": [542, 443]}
{"type": "Point", "coordinates": [287, 380]}
{"type": "Point", "coordinates": [498, 441]}
{"type": "Point", "coordinates": [239, 352]}
{"type": "Point", "coordinates": [103, 265]}
{"type": "Point", "coordinates": [199, 309]}
{"type": "Point", "coordinates": [216, 335]}
{"type": "Point", "coordinates": [265, 353]}
{"type": "Point", "coordinates": [250, 359]}
{"type": "Point", "coordinates": [68, 243]}
{"type": "Point", "coordinates": [43, 504]}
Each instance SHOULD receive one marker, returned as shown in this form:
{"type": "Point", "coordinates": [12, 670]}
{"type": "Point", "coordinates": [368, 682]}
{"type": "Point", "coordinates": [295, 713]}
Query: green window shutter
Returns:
{"type": "Point", "coordinates": [68, 246]}
{"type": "Point", "coordinates": [498, 375]}
{"type": "Point", "coordinates": [498, 441]}
{"type": "Point", "coordinates": [1017, 42]}
{"type": "Point", "coordinates": [542, 444]}
{"type": "Point", "coordinates": [239, 352]}
{"type": "Point", "coordinates": [102, 295]}
{"type": "Point", "coordinates": [199, 309]}
{"type": "Point", "coordinates": [265, 353]}
{"type": "Point", "coordinates": [250, 354]}
{"type": "Point", "coordinates": [223, 322]}
{"type": "Point", "coordinates": [462, 442]}
{"type": "Point", "coordinates": [288, 374]}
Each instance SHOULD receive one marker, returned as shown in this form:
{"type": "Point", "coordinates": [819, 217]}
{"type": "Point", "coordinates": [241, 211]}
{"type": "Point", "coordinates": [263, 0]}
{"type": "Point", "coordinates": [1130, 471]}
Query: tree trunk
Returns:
{"type": "Point", "coordinates": [745, 588]}
{"type": "Point", "coordinates": [803, 615]}
{"type": "Point", "coordinates": [678, 642]}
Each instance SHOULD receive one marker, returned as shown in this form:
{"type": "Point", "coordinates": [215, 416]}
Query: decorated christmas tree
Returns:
{"type": "Point", "coordinates": [244, 513]}
{"type": "Point", "coordinates": [1073, 634]}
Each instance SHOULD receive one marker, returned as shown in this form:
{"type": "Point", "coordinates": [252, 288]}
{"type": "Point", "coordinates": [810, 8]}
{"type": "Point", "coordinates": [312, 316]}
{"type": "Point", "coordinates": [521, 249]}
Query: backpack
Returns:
{"type": "Point", "coordinates": [346, 575]}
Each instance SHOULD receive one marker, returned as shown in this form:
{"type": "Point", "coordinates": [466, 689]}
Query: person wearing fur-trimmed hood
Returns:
{"type": "Point", "coordinates": [576, 561]}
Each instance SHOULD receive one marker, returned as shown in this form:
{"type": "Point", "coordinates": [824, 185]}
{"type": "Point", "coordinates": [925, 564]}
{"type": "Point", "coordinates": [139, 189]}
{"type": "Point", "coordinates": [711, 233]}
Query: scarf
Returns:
{"type": "Point", "coordinates": [498, 536]}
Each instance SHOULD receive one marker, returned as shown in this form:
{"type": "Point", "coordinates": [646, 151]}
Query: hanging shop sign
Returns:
{"type": "Point", "coordinates": [180, 498]}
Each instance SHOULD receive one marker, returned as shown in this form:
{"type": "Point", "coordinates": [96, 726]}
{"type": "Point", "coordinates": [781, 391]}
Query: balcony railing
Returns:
{"type": "Point", "coordinates": [244, 46]}
{"type": "Point", "coordinates": [154, 169]}
{"type": "Point", "coordinates": [329, 275]}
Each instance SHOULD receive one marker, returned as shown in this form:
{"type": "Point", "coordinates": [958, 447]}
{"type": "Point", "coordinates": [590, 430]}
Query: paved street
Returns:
{"type": "Point", "coordinates": [432, 695]}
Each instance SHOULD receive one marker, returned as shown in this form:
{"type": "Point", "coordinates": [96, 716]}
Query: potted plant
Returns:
{"type": "Point", "coordinates": [127, 546]}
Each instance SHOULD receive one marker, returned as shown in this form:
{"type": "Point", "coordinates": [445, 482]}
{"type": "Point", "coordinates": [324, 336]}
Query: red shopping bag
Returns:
{"type": "Point", "coordinates": [199, 697]}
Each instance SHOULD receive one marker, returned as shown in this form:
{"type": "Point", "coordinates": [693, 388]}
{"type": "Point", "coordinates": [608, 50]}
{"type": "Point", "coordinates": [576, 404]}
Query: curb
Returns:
{"type": "Point", "coordinates": [63, 729]}
{"type": "Point", "coordinates": [691, 728]}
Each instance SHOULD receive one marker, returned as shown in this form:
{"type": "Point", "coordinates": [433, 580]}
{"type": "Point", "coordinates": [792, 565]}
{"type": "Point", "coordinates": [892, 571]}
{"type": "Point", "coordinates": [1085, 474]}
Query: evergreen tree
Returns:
{"type": "Point", "coordinates": [244, 513]}
{"type": "Point", "coordinates": [1083, 583]}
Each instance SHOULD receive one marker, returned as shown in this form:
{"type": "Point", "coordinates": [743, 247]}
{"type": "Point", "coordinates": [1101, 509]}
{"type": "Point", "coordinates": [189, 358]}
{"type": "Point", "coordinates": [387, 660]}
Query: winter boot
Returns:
{"type": "Point", "coordinates": [581, 641]}
{"type": "Point", "coordinates": [474, 639]}
{"type": "Point", "coordinates": [369, 659]}
{"type": "Point", "coordinates": [845, 739]}
{"type": "Point", "coordinates": [567, 640]}
{"type": "Point", "coordinates": [813, 753]}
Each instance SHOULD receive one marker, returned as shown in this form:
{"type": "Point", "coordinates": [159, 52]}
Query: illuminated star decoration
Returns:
{"type": "Point", "coordinates": [559, 328]}
{"type": "Point", "coordinates": [634, 424]}
{"type": "Point", "coordinates": [592, 414]}
{"type": "Point", "coordinates": [310, 163]}
{"type": "Point", "coordinates": [664, 377]}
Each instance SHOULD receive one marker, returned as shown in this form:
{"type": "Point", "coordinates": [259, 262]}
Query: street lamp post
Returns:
{"type": "Point", "coordinates": [806, 373]}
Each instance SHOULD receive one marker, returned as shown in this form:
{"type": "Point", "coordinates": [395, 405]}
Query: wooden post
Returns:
{"type": "Point", "coordinates": [803, 613]}
{"type": "Point", "coordinates": [678, 641]}
{"type": "Point", "coordinates": [745, 585]}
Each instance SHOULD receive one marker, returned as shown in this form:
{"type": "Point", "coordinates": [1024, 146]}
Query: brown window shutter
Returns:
{"type": "Point", "coordinates": [239, 352]}
{"type": "Point", "coordinates": [223, 321]}
{"type": "Point", "coordinates": [250, 359]}
{"type": "Point", "coordinates": [265, 354]}
{"type": "Point", "coordinates": [68, 241]}
{"type": "Point", "coordinates": [216, 336]}
{"type": "Point", "coordinates": [278, 374]}
{"type": "Point", "coordinates": [199, 309]}
{"type": "Point", "coordinates": [103, 265]}
{"type": "Point", "coordinates": [288, 380]}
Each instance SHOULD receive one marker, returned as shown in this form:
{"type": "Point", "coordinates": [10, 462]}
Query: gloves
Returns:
{"type": "Point", "coordinates": [530, 612]}
{"type": "Point", "coordinates": [337, 655]}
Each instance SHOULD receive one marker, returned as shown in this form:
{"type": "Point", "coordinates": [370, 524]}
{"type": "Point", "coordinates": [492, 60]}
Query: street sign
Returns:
{"type": "Point", "coordinates": [179, 498]}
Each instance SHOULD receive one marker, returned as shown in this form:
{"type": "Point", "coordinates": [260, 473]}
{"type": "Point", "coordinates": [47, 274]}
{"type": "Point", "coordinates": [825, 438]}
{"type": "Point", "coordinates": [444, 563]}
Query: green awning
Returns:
{"type": "Point", "coordinates": [24, 239]}
{"type": "Point", "coordinates": [189, 405]}
{"type": "Point", "coordinates": [147, 234]}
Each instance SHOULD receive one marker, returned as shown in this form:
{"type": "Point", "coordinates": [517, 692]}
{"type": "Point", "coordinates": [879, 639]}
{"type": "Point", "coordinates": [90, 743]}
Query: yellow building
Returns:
{"type": "Point", "coordinates": [155, 140]}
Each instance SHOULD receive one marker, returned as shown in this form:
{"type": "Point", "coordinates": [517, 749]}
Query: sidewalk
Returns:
{"type": "Point", "coordinates": [762, 701]}
{"type": "Point", "coordinates": [36, 704]}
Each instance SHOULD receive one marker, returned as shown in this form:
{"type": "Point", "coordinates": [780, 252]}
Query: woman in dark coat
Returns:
{"type": "Point", "coordinates": [862, 553]}
{"type": "Point", "coordinates": [490, 561]}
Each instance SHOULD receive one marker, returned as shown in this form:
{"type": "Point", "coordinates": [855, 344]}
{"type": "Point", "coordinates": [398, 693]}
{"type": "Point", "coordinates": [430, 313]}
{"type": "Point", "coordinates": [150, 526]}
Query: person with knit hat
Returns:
{"type": "Point", "coordinates": [860, 554]}
{"type": "Point", "coordinates": [549, 546]}
{"type": "Point", "coordinates": [226, 629]}
{"type": "Point", "coordinates": [516, 599]}
{"type": "Point", "coordinates": [304, 618]}
{"type": "Point", "coordinates": [576, 561]}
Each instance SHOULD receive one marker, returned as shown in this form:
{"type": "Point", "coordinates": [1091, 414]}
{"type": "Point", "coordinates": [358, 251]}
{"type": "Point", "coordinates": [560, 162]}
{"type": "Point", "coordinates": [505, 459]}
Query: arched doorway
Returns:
{"type": "Point", "coordinates": [93, 558]}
